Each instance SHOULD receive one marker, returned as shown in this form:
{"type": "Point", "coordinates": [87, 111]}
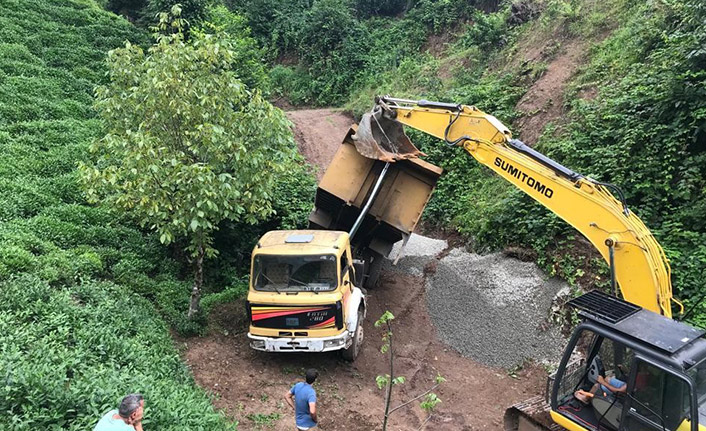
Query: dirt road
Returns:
{"type": "Point", "coordinates": [250, 385]}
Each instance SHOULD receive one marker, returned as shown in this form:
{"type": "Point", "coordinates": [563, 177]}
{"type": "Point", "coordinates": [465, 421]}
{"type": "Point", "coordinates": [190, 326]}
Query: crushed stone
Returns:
{"type": "Point", "coordinates": [491, 308]}
{"type": "Point", "coordinates": [494, 309]}
{"type": "Point", "coordinates": [419, 245]}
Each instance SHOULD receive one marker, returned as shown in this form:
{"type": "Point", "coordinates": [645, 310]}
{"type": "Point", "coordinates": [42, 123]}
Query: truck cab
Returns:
{"type": "Point", "coordinates": [303, 294]}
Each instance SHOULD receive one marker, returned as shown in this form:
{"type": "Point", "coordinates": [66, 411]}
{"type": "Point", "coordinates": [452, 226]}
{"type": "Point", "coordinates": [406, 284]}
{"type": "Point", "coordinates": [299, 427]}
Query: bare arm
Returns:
{"type": "Point", "coordinates": [612, 388]}
{"type": "Point", "coordinates": [290, 399]}
{"type": "Point", "coordinates": [312, 412]}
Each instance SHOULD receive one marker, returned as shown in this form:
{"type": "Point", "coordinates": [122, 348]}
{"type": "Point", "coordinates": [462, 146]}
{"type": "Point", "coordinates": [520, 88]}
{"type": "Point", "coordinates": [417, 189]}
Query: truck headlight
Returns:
{"type": "Point", "coordinates": [257, 344]}
{"type": "Point", "coordinates": [333, 343]}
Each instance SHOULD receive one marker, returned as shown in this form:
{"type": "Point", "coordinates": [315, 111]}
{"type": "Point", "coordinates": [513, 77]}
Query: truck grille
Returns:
{"type": "Point", "coordinates": [295, 317]}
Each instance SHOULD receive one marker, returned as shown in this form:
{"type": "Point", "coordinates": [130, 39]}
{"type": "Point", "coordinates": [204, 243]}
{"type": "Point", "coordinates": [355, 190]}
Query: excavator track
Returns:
{"type": "Point", "coordinates": [530, 415]}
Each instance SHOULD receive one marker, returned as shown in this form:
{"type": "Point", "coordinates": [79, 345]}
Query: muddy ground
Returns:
{"type": "Point", "coordinates": [250, 385]}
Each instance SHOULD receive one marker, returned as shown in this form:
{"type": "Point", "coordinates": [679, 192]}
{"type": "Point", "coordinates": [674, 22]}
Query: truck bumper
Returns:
{"type": "Point", "coordinates": [288, 344]}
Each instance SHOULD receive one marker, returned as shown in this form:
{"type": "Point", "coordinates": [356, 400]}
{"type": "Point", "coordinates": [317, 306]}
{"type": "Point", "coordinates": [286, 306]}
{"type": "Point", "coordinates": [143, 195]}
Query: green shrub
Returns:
{"type": "Point", "coordinates": [368, 8]}
{"type": "Point", "coordinates": [193, 11]}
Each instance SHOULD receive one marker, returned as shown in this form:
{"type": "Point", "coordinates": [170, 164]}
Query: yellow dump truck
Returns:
{"type": "Point", "coordinates": [307, 286]}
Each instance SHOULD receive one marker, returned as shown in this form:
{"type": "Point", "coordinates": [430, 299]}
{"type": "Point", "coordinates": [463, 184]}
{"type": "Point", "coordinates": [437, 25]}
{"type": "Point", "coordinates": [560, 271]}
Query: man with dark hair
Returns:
{"type": "Point", "coordinates": [302, 398]}
{"type": "Point", "coordinates": [128, 417]}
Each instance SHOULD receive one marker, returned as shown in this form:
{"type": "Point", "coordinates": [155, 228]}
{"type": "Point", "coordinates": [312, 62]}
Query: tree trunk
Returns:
{"type": "Point", "coordinates": [198, 283]}
{"type": "Point", "coordinates": [388, 396]}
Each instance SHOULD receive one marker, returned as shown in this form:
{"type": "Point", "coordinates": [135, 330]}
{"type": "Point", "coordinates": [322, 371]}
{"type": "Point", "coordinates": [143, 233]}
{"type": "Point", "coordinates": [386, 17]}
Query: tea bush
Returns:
{"type": "Point", "coordinates": [68, 355]}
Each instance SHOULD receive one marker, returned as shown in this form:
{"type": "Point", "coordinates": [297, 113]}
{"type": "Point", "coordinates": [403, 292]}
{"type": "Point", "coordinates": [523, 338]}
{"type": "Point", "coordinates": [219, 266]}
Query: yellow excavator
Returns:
{"type": "Point", "coordinates": [628, 365]}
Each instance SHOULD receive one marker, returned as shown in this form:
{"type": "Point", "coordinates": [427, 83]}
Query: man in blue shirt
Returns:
{"type": "Point", "coordinates": [302, 398]}
{"type": "Point", "coordinates": [128, 417]}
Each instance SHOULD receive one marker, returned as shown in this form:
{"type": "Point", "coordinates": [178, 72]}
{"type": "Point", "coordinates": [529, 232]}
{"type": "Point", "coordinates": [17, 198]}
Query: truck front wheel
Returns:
{"type": "Point", "coordinates": [352, 351]}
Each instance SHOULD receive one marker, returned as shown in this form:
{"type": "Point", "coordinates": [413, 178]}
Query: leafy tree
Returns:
{"type": "Point", "coordinates": [186, 144]}
{"type": "Point", "coordinates": [249, 65]}
{"type": "Point", "coordinates": [277, 24]}
{"type": "Point", "coordinates": [193, 11]}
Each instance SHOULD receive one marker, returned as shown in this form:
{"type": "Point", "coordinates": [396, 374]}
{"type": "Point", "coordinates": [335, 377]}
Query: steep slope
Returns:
{"type": "Point", "coordinates": [71, 345]}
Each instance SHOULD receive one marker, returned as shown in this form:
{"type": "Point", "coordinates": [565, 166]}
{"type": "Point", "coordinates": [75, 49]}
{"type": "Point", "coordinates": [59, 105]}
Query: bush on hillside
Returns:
{"type": "Point", "coordinates": [368, 8]}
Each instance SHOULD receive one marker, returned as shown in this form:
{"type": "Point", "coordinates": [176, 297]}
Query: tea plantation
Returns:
{"type": "Point", "coordinates": [78, 284]}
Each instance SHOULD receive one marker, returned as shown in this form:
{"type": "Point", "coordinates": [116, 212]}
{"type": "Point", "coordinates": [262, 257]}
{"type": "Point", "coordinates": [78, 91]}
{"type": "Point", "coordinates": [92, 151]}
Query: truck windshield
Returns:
{"type": "Point", "coordinates": [308, 273]}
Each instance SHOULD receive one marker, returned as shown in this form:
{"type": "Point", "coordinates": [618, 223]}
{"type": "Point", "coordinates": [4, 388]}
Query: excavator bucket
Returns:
{"type": "Point", "coordinates": [383, 139]}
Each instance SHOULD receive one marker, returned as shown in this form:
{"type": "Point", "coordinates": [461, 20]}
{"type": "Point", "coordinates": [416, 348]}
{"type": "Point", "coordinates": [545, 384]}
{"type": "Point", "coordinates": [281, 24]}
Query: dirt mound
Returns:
{"type": "Point", "coordinates": [544, 101]}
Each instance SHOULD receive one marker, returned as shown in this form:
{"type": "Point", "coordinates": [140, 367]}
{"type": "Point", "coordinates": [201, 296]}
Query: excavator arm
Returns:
{"type": "Point", "coordinates": [637, 261]}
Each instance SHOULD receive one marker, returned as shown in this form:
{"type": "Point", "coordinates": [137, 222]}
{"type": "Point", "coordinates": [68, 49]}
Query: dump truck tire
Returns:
{"type": "Point", "coordinates": [352, 352]}
{"type": "Point", "coordinates": [374, 269]}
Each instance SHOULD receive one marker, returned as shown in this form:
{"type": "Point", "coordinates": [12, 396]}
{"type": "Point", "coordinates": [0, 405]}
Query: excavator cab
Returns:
{"type": "Point", "coordinates": [657, 364]}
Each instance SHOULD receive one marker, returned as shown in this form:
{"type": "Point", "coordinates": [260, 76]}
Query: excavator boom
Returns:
{"type": "Point", "coordinates": [637, 261]}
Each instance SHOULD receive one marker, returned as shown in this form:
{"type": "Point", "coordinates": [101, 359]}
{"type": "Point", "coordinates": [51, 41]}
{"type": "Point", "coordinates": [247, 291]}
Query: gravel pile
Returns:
{"type": "Point", "coordinates": [491, 308]}
{"type": "Point", "coordinates": [419, 251]}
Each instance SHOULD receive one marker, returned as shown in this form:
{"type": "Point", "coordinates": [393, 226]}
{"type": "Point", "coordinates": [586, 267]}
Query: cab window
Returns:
{"type": "Point", "coordinates": [659, 399]}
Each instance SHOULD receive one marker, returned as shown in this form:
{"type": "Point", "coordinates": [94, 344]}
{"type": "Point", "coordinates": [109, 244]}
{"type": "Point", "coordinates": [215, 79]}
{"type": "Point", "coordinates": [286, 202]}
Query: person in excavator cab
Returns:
{"type": "Point", "coordinates": [608, 386]}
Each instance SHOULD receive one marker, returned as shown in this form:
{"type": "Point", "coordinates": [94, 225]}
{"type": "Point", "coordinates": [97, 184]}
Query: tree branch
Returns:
{"type": "Point", "coordinates": [421, 427]}
{"type": "Point", "coordinates": [415, 398]}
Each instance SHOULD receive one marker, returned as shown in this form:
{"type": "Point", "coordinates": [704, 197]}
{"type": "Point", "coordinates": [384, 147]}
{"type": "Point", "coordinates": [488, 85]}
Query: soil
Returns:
{"type": "Point", "coordinates": [249, 385]}
{"type": "Point", "coordinates": [544, 102]}
{"type": "Point", "coordinates": [319, 133]}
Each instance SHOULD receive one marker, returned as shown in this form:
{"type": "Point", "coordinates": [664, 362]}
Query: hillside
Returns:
{"type": "Point", "coordinates": [613, 89]}
{"type": "Point", "coordinates": [76, 330]}
{"type": "Point", "coordinates": [93, 304]}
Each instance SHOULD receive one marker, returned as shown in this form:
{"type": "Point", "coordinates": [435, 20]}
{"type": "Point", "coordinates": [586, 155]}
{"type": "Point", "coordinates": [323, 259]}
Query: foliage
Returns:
{"type": "Point", "coordinates": [368, 8]}
{"type": "Point", "coordinates": [327, 48]}
{"type": "Point", "coordinates": [193, 11]}
{"type": "Point", "coordinates": [67, 356]}
{"type": "Point", "coordinates": [186, 145]}
{"type": "Point", "coordinates": [247, 61]}
{"type": "Point", "coordinates": [264, 421]}
{"type": "Point", "coordinates": [132, 8]}
{"type": "Point", "coordinates": [644, 131]}
{"type": "Point", "coordinates": [275, 23]}
{"type": "Point", "coordinates": [71, 346]}
{"type": "Point", "coordinates": [487, 31]}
